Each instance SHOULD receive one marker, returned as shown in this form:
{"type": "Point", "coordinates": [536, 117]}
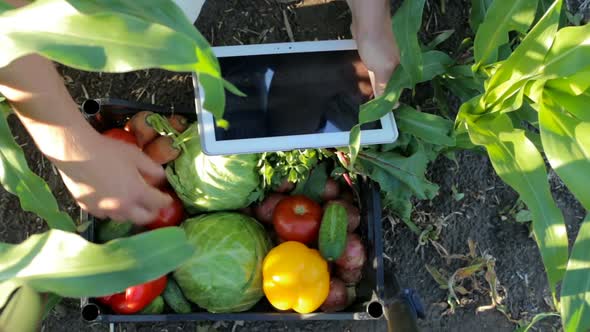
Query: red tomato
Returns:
{"type": "Point", "coordinates": [172, 215]}
{"type": "Point", "coordinates": [135, 298]}
{"type": "Point", "coordinates": [121, 135]}
{"type": "Point", "coordinates": [297, 218]}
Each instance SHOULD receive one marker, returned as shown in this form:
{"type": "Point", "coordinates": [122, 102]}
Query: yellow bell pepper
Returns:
{"type": "Point", "coordinates": [295, 277]}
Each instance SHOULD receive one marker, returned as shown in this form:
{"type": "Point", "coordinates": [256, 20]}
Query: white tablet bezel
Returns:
{"type": "Point", "coordinates": [387, 134]}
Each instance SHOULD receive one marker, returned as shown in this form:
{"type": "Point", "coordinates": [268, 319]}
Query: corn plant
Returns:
{"type": "Point", "coordinates": [531, 98]}
{"type": "Point", "coordinates": [92, 35]}
{"type": "Point", "coordinates": [522, 96]}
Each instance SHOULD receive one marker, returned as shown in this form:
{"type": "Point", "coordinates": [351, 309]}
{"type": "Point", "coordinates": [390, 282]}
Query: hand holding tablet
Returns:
{"type": "Point", "coordinates": [299, 95]}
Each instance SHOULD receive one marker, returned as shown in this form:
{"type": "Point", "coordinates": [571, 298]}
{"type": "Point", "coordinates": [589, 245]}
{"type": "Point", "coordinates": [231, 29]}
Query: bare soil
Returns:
{"type": "Point", "coordinates": [481, 215]}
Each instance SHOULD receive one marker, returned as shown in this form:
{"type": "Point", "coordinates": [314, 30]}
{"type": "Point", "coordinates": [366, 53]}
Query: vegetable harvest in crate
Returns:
{"type": "Point", "coordinates": [281, 226]}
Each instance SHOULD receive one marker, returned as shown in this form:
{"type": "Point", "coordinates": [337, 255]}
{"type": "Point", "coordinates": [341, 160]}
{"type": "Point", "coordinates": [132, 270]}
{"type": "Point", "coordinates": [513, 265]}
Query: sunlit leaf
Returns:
{"type": "Point", "coordinates": [526, 60]}
{"type": "Point", "coordinates": [575, 105]}
{"type": "Point", "coordinates": [406, 24]}
{"type": "Point", "coordinates": [24, 311]}
{"type": "Point", "coordinates": [67, 265]}
{"type": "Point", "coordinates": [113, 36]}
{"type": "Point", "coordinates": [566, 140]}
{"type": "Point", "coordinates": [575, 291]}
{"type": "Point", "coordinates": [519, 164]}
{"type": "Point", "coordinates": [16, 177]}
{"type": "Point", "coordinates": [501, 18]}
{"type": "Point", "coordinates": [575, 84]}
{"type": "Point", "coordinates": [569, 54]}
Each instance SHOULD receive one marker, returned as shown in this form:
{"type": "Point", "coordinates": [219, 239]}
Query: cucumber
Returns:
{"type": "Point", "coordinates": [332, 238]}
{"type": "Point", "coordinates": [154, 308]}
{"type": "Point", "coordinates": [110, 230]}
{"type": "Point", "coordinates": [175, 299]}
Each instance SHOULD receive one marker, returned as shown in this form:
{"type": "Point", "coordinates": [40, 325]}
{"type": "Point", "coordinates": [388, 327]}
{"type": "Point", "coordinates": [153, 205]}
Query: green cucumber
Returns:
{"type": "Point", "coordinates": [110, 230]}
{"type": "Point", "coordinates": [155, 307]}
{"type": "Point", "coordinates": [332, 238]}
{"type": "Point", "coordinates": [175, 299]}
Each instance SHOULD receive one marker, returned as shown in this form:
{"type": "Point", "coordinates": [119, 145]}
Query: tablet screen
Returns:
{"type": "Point", "coordinates": [294, 94]}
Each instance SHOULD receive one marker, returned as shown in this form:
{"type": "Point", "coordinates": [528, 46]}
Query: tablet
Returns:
{"type": "Point", "coordinates": [300, 95]}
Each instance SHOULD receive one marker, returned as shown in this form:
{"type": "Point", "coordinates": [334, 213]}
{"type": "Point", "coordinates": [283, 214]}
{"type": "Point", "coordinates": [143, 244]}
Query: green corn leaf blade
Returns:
{"type": "Point", "coordinates": [428, 127]}
{"type": "Point", "coordinates": [24, 311]}
{"type": "Point", "coordinates": [575, 290]}
{"type": "Point", "coordinates": [7, 288]}
{"type": "Point", "coordinates": [575, 85]}
{"type": "Point", "coordinates": [520, 165]}
{"type": "Point", "coordinates": [439, 39]}
{"type": "Point", "coordinates": [67, 265]}
{"type": "Point", "coordinates": [435, 63]}
{"type": "Point", "coordinates": [113, 36]}
{"type": "Point", "coordinates": [526, 59]}
{"type": "Point", "coordinates": [566, 140]}
{"type": "Point", "coordinates": [569, 54]}
{"type": "Point", "coordinates": [535, 320]}
{"type": "Point", "coordinates": [532, 136]}
{"type": "Point", "coordinates": [501, 18]}
{"type": "Point", "coordinates": [543, 7]}
{"type": "Point", "coordinates": [479, 9]}
{"type": "Point", "coordinates": [50, 301]}
{"type": "Point", "coordinates": [408, 170]}
{"type": "Point", "coordinates": [406, 24]}
{"type": "Point", "coordinates": [577, 106]}
{"type": "Point", "coordinates": [16, 177]}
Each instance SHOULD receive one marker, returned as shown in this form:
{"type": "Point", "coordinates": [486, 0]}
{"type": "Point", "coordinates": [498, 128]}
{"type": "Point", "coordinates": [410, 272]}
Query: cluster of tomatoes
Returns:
{"type": "Point", "coordinates": [160, 149]}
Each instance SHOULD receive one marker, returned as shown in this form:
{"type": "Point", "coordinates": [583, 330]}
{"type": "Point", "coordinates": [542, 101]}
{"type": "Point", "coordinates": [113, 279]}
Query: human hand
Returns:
{"type": "Point", "coordinates": [108, 179]}
{"type": "Point", "coordinates": [372, 29]}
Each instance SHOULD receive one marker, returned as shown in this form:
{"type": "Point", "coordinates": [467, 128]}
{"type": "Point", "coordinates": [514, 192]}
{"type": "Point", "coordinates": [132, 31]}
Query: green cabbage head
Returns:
{"type": "Point", "coordinates": [213, 183]}
{"type": "Point", "coordinates": [225, 272]}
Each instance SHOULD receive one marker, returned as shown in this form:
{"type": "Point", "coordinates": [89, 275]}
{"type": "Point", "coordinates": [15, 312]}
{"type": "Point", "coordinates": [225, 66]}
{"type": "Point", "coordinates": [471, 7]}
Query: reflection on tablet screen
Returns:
{"type": "Point", "coordinates": [294, 94]}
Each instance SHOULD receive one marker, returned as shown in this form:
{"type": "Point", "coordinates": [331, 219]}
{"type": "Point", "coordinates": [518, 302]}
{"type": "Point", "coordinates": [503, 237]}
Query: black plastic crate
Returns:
{"type": "Point", "coordinates": [378, 294]}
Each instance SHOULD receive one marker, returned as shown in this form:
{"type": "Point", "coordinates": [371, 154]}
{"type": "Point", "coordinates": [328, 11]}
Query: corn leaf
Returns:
{"type": "Point", "coordinates": [520, 165]}
{"type": "Point", "coordinates": [428, 127]}
{"type": "Point", "coordinates": [7, 288]}
{"type": "Point", "coordinates": [65, 264]}
{"type": "Point", "coordinates": [575, 291]}
{"type": "Point", "coordinates": [566, 140]}
{"type": "Point", "coordinates": [501, 18]}
{"type": "Point", "coordinates": [16, 177]}
{"type": "Point", "coordinates": [528, 57]}
{"type": "Point", "coordinates": [113, 36]}
{"type": "Point", "coordinates": [575, 85]}
{"type": "Point", "coordinates": [577, 106]}
{"type": "Point", "coordinates": [569, 54]}
{"type": "Point", "coordinates": [479, 9]}
{"type": "Point", "coordinates": [24, 311]}
{"type": "Point", "coordinates": [406, 24]}
{"type": "Point", "coordinates": [435, 64]}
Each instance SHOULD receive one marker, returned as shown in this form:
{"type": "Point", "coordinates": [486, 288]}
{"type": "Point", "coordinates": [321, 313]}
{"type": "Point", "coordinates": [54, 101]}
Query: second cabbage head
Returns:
{"type": "Point", "coordinates": [213, 183]}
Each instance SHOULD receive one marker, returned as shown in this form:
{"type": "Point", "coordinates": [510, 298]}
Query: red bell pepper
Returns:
{"type": "Point", "coordinates": [135, 298]}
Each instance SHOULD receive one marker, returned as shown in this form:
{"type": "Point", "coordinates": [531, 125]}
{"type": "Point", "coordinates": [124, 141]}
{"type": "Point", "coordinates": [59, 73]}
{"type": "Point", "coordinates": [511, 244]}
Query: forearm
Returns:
{"type": "Point", "coordinates": [370, 15]}
{"type": "Point", "coordinates": [37, 93]}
